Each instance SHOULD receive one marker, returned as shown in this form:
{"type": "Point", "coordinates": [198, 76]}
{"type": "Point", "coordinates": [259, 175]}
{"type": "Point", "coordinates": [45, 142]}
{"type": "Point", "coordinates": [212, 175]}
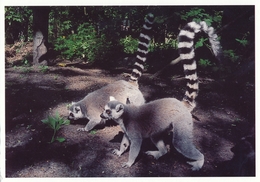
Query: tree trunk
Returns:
{"type": "Point", "coordinates": [39, 48]}
{"type": "Point", "coordinates": [40, 34]}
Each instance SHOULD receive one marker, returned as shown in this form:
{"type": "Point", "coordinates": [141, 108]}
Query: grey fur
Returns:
{"type": "Point", "coordinates": [92, 105]}
{"type": "Point", "coordinates": [151, 120]}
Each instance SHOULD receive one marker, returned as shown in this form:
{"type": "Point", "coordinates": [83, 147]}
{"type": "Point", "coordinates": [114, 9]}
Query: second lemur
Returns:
{"type": "Point", "coordinates": [154, 119]}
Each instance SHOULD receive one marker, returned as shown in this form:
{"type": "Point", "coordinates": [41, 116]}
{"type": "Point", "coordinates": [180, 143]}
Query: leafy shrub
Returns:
{"type": "Point", "coordinates": [83, 44]}
{"type": "Point", "coordinates": [204, 63]}
{"type": "Point", "coordinates": [244, 40]}
{"type": "Point", "coordinates": [200, 14]}
{"type": "Point", "coordinates": [55, 123]}
{"type": "Point", "coordinates": [231, 55]}
{"type": "Point", "coordinates": [168, 44]}
{"type": "Point", "coordinates": [129, 44]}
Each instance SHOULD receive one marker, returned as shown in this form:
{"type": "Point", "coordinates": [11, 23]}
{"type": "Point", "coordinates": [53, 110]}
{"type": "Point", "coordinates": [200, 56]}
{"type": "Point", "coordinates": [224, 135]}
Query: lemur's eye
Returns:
{"type": "Point", "coordinates": [77, 110]}
{"type": "Point", "coordinates": [108, 111]}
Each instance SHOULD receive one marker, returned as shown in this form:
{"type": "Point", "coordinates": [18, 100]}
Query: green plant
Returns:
{"type": "Point", "coordinates": [93, 132]}
{"type": "Point", "coordinates": [18, 16]}
{"type": "Point", "coordinates": [198, 14]}
{"type": "Point", "coordinates": [55, 123]}
{"type": "Point", "coordinates": [231, 54]}
{"type": "Point", "coordinates": [86, 43]}
{"type": "Point", "coordinates": [169, 44]}
{"type": "Point", "coordinates": [25, 62]}
{"type": "Point", "coordinates": [129, 43]}
{"type": "Point", "coordinates": [243, 42]}
{"type": "Point", "coordinates": [200, 42]}
{"type": "Point", "coordinates": [204, 63]}
{"type": "Point", "coordinates": [43, 68]}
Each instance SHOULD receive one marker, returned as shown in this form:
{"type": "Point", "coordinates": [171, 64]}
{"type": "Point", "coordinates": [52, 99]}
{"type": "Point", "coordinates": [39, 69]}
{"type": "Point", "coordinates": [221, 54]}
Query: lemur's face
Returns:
{"type": "Point", "coordinates": [113, 110]}
{"type": "Point", "coordinates": [75, 112]}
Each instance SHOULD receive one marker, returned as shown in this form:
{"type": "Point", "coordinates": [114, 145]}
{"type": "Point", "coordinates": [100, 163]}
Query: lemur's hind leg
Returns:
{"type": "Point", "coordinates": [183, 142]}
{"type": "Point", "coordinates": [162, 149]}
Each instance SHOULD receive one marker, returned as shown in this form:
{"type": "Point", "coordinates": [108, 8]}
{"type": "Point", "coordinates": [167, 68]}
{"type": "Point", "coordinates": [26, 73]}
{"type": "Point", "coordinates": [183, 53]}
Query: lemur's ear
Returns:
{"type": "Point", "coordinates": [111, 98]}
{"type": "Point", "coordinates": [119, 107]}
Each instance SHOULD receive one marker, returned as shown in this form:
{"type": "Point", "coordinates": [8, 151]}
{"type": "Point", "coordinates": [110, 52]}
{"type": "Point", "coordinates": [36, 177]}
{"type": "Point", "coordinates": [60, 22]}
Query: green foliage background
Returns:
{"type": "Point", "coordinates": [84, 44]}
{"type": "Point", "coordinates": [93, 33]}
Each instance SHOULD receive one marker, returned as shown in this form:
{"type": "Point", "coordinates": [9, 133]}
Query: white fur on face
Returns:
{"type": "Point", "coordinates": [75, 113]}
{"type": "Point", "coordinates": [113, 113]}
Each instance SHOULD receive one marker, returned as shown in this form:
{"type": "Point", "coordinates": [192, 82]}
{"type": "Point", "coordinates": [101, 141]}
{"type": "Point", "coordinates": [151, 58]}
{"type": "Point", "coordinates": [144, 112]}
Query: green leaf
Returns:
{"type": "Point", "coordinates": [66, 122]}
{"type": "Point", "coordinates": [199, 43]}
{"type": "Point", "coordinates": [243, 42]}
{"type": "Point", "coordinates": [204, 62]}
{"type": "Point", "coordinates": [93, 132]}
{"type": "Point", "coordinates": [45, 121]}
{"type": "Point", "coordinates": [60, 139]}
{"type": "Point", "coordinates": [52, 122]}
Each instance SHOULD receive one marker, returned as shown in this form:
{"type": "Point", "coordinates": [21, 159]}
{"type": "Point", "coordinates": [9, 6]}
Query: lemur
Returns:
{"type": "Point", "coordinates": [90, 107]}
{"type": "Point", "coordinates": [161, 116]}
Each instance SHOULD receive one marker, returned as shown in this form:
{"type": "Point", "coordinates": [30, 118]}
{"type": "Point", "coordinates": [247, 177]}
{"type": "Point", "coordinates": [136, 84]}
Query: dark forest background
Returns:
{"type": "Point", "coordinates": [106, 36]}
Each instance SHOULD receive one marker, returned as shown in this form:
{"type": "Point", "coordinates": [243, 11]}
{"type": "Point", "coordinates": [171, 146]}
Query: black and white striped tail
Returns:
{"type": "Point", "coordinates": [143, 45]}
{"type": "Point", "coordinates": [187, 55]}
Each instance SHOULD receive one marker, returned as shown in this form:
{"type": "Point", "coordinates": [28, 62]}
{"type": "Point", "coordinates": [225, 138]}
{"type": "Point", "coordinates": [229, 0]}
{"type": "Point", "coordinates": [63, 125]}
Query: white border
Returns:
{"type": "Point", "coordinates": [121, 2]}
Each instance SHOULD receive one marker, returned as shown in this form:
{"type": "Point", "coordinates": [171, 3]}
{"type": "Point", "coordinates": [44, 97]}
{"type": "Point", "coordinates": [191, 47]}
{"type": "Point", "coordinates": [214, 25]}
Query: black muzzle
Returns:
{"type": "Point", "coordinates": [102, 116]}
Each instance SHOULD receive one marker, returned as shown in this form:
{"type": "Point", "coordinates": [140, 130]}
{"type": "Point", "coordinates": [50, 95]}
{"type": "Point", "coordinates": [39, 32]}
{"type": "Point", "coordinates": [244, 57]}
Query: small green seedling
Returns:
{"type": "Point", "coordinates": [93, 132]}
{"type": "Point", "coordinates": [43, 68]}
{"type": "Point", "coordinates": [55, 123]}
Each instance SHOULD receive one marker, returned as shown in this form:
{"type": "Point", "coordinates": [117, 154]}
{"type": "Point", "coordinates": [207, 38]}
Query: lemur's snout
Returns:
{"type": "Point", "coordinates": [102, 116]}
{"type": "Point", "coordinates": [71, 116]}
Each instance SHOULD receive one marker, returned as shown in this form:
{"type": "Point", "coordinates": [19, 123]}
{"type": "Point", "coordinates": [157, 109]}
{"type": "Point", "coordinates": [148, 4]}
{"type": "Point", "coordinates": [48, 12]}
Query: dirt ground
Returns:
{"type": "Point", "coordinates": [223, 115]}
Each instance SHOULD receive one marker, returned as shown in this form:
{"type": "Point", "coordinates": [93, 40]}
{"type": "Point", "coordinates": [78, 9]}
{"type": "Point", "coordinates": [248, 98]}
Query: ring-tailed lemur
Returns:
{"type": "Point", "coordinates": [153, 119]}
{"type": "Point", "coordinates": [187, 55]}
{"type": "Point", "coordinates": [91, 106]}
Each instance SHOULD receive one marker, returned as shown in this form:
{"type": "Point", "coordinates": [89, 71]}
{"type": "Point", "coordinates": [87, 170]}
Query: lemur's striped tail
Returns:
{"type": "Point", "coordinates": [186, 51]}
{"type": "Point", "coordinates": [143, 45]}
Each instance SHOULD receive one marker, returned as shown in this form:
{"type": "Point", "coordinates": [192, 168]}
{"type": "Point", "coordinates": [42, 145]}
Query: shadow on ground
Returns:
{"type": "Point", "coordinates": [32, 95]}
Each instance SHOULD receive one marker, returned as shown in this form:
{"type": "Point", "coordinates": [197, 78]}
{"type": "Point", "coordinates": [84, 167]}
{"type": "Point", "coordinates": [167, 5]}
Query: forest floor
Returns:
{"type": "Point", "coordinates": [33, 93]}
